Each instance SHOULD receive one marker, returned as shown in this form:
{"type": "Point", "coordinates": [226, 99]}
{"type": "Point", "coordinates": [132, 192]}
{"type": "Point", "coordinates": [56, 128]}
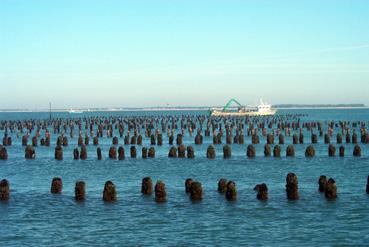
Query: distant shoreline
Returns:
{"type": "Point", "coordinates": [142, 109]}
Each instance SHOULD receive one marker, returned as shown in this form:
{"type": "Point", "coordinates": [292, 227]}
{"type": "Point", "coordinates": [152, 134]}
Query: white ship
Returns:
{"type": "Point", "coordinates": [263, 109]}
{"type": "Point", "coordinates": [71, 111]}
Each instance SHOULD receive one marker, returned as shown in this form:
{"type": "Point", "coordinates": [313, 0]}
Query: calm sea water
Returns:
{"type": "Point", "coordinates": [34, 217]}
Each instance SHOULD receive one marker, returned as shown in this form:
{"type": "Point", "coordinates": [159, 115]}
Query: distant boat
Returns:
{"type": "Point", "coordinates": [261, 110]}
{"type": "Point", "coordinates": [71, 111]}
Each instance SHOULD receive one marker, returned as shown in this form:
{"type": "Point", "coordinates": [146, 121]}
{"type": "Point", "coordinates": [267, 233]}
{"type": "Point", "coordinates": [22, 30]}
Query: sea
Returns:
{"type": "Point", "coordinates": [35, 217]}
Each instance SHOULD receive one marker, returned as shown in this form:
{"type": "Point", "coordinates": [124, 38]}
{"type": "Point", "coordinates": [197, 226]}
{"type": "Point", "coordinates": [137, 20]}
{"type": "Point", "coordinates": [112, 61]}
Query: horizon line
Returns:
{"type": "Point", "coordinates": [183, 107]}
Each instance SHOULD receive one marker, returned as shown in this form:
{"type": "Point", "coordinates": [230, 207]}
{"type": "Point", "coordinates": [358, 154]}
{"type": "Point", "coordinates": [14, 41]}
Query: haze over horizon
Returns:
{"type": "Point", "coordinates": [86, 54]}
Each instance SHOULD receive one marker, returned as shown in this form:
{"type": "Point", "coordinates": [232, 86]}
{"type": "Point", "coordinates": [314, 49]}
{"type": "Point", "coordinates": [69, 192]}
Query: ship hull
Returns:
{"type": "Point", "coordinates": [242, 114]}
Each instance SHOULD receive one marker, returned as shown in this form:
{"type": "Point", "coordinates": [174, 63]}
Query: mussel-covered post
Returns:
{"type": "Point", "coordinates": [330, 191]}
{"type": "Point", "coordinates": [3, 153]}
{"type": "Point", "coordinates": [58, 153]}
{"type": "Point", "coordinates": [151, 152]}
{"type": "Point", "coordinates": [96, 141]}
{"type": "Point", "coordinates": [290, 152]}
{"type": "Point", "coordinates": [121, 153]}
{"type": "Point", "coordinates": [83, 153]}
{"type": "Point", "coordinates": [222, 185]}
{"type": "Point", "coordinates": [270, 139]}
{"type": "Point", "coordinates": [146, 187]}
{"type": "Point", "coordinates": [172, 152]}
{"type": "Point", "coordinates": [109, 193]}
{"type": "Point", "coordinates": [75, 154]}
{"type": "Point", "coordinates": [281, 139]}
{"type": "Point", "coordinates": [98, 153]}
{"type": "Point", "coordinates": [322, 182]}
{"type": "Point", "coordinates": [277, 151]}
{"type": "Point", "coordinates": [181, 151]}
{"type": "Point", "coordinates": [231, 193]}
{"type": "Point", "coordinates": [210, 153]}
{"type": "Point", "coordinates": [144, 152]}
{"type": "Point", "coordinates": [267, 150]}
{"type": "Point", "coordinates": [227, 152]}
{"type": "Point", "coordinates": [331, 150]}
{"type": "Point", "coordinates": [30, 152]}
{"type": "Point", "coordinates": [188, 184]}
{"type": "Point", "coordinates": [357, 151]}
{"type": "Point", "coordinates": [310, 151]}
{"type": "Point", "coordinates": [56, 186]}
{"type": "Point", "coordinates": [342, 151]}
{"type": "Point", "coordinates": [292, 187]}
{"type": "Point", "coordinates": [4, 190]}
{"type": "Point", "coordinates": [190, 152]}
{"type": "Point", "coordinates": [262, 192]}
{"type": "Point", "coordinates": [113, 153]}
{"type": "Point", "coordinates": [196, 191]}
{"type": "Point", "coordinates": [133, 152]}
{"type": "Point", "coordinates": [80, 191]}
{"type": "Point", "coordinates": [295, 139]}
{"type": "Point", "coordinates": [250, 152]}
{"type": "Point", "coordinates": [314, 138]}
{"type": "Point", "coordinates": [198, 138]}
{"type": "Point", "coordinates": [160, 192]}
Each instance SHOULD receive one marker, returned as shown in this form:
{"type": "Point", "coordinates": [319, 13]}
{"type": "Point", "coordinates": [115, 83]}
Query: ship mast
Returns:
{"type": "Point", "coordinates": [50, 111]}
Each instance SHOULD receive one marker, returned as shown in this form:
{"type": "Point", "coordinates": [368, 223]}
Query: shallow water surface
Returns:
{"type": "Point", "coordinates": [34, 217]}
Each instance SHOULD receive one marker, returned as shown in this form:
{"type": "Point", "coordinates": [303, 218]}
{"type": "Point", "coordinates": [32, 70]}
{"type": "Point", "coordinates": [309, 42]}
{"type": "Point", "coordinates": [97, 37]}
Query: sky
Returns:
{"type": "Point", "coordinates": [116, 53]}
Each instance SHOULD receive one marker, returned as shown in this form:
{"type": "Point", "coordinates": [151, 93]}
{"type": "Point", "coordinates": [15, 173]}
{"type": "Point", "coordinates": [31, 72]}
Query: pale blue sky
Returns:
{"type": "Point", "coordinates": [85, 53]}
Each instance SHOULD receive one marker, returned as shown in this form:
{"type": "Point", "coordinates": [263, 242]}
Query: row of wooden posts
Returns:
{"type": "Point", "coordinates": [157, 139]}
{"type": "Point", "coordinates": [193, 188]}
{"type": "Point", "coordinates": [182, 151]}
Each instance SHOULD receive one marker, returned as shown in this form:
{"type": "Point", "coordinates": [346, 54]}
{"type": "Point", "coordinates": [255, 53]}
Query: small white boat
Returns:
{"type": "Point", "coordinates": [261, 110]}
{"type": "Point", "coordinates": [71, 111]}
